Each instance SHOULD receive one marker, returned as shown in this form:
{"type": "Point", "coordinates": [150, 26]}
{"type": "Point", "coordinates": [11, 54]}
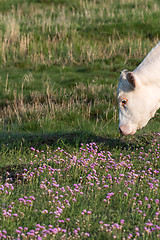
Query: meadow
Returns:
{"type": "Point", "coordinates": [65, 172]}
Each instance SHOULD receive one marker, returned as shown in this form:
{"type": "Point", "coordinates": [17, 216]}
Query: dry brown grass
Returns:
{"type": "Point", "coordinates": [51, 36]}
{"type": "Point", "coordinates": [84, 101]}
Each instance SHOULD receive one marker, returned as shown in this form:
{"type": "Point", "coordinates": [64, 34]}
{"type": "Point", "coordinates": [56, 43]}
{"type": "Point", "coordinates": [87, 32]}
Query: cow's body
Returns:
{"type": "Point", "coordinates": [139, 93]}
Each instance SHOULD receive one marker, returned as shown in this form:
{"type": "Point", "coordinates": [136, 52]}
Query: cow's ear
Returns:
{"type": "Point", "coordinates": [131, 79]}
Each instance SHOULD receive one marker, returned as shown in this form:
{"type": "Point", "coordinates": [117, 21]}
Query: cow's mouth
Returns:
{"type": "Point", "coordinates": [126, 130]}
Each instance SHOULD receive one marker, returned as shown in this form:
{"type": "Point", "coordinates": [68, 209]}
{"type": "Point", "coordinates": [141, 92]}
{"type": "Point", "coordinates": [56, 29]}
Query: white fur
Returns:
{"type": "Point", "coordinates": [149, 70]}
{"type": "Point", "coordinates": [144, 99]}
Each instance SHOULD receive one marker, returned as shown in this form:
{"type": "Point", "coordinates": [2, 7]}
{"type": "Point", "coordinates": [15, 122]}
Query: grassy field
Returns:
{"type": "Point", "coordinates": [65, 171]}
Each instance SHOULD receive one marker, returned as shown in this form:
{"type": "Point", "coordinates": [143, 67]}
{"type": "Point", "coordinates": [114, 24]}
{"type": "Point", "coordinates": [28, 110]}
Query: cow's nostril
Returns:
{"type": "Point", "coordinates": [120, 131]}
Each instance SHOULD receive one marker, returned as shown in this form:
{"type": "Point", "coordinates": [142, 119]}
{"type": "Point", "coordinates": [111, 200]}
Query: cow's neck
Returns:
{"type": "Point", "coordinates": [152, 93]}
{"type": "Point", "coordinates": [149, 70]}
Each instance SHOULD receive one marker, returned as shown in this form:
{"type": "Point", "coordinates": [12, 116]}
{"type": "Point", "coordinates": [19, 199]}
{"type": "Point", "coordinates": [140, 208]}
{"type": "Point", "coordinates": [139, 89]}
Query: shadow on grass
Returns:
{"type": "Point", "coordinates": [71, 140]}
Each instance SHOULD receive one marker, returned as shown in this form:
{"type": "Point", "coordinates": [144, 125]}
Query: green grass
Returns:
{"type": "Point", "coordinates": [60, 62]}
{"type": "Point", "coordinates": [59, 67]}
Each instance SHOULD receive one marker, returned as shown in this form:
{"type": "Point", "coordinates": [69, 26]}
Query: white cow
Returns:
{"type": "Point", "coordinates": [139, 93]}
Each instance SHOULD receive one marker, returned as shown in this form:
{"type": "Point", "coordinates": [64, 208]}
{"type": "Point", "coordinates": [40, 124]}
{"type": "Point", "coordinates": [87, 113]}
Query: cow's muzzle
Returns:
{"type": "Point", "coordinates": [126, 130]}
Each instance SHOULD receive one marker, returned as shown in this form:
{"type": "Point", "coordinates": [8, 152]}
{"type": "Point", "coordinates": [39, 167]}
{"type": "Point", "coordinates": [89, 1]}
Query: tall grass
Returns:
{"type": "Point", "coordinates": [78, 48]}
{"type": "Point", "coordinates": [94, 30]}
{"type": "Point", "coordinates": [85, 102]}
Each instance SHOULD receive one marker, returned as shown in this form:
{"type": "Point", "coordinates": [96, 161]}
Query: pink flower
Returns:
{"type": "Point", "coordinates": [122, 221]}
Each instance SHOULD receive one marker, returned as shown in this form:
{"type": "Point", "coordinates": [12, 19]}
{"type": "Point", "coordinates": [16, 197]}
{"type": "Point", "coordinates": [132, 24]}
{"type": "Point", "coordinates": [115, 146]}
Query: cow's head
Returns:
{"type": "Point", "coordinates": [137, 103]}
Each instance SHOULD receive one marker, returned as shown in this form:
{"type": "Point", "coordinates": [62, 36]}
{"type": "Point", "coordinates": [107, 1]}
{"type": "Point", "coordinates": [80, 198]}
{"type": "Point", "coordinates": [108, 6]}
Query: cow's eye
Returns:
{"type": "Point", "coordinates": [124, 101]}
